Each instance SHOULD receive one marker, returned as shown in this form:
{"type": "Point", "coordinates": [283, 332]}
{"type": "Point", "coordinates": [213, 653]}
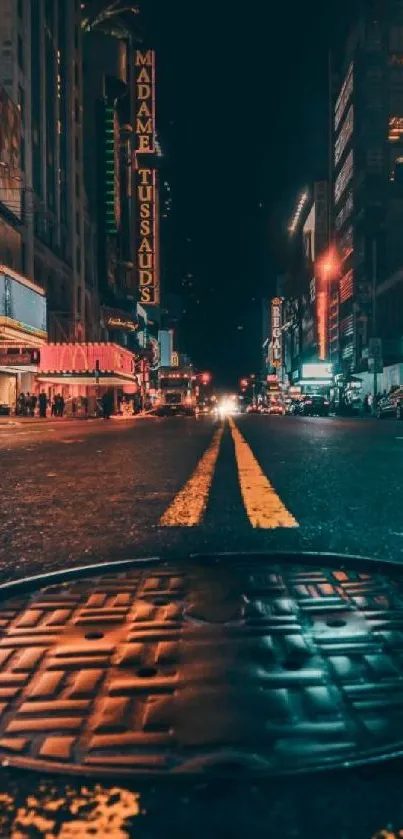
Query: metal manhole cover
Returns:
{"type": "Point", "coordinates": [110, 673]}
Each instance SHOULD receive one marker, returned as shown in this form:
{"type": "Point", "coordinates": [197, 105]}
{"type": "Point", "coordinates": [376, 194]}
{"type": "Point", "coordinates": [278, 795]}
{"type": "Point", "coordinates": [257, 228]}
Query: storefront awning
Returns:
{"type": "Point", "coordinates": [88, 379]}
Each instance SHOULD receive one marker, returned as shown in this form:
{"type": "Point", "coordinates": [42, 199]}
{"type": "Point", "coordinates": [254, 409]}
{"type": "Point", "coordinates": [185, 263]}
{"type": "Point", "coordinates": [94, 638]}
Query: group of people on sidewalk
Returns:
{"type": "Point", "coordinates": [32, 405]}
{"type": "Point", "coordinates": [27, 404]}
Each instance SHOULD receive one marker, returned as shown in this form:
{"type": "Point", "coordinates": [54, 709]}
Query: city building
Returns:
{"type": "Point", "coordinates": [305, 288]}
{"type": "Point", "coordinates": [45, 76]}
{"type": "Point", "coordinates": [366, 299]}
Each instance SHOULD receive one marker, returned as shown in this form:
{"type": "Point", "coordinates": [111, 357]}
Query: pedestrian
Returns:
{"type": "Point", "coordinates": [53, 407]}
{"type": "Point", "coordinates": [43, 404]}
{"type": "Point", "coordinates": [21, 404]}
{"type": "Point", "coordinates": [32, 406]}
{"type": "Point", "coordinates": [61, 405]}
{"type": "Point", "coordinates": [107, 405]}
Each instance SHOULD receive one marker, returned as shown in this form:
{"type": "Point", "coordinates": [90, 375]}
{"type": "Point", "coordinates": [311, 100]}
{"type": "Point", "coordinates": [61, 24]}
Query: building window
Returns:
{"type": "Point", "coordinates": [78, 223]}
{"type": "Point", "coordinates": [77, 185]}
{"type": "Point", "coordinates": [78, 257]}
{"type": "Point", "coordinates": [76, 74]}
{"type": "Point", "coordinates": [77, 148]}
{"type": "Point", "coordinates": [20, 53]}
{"type": "Point", "coordinates": [79, 300]}
{"type": "Point", "coordinates": [20, 8]}
{"type": "Point", "coordinates": [77, 110]}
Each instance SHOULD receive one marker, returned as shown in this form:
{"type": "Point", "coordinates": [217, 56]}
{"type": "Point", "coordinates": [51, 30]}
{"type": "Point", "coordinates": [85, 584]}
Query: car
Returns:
{"type": "Point", "coordinates": [391, 405]}
{"type": "Point", "coordinates": [254, 409]}
{"type": "Point", "coordinates": [276, 408]}
{"type": "Point", "coordinates": [313, 405]}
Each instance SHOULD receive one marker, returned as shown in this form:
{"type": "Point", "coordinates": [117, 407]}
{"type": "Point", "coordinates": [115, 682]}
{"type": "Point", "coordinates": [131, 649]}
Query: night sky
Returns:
{"type": "Point", "coordinates": [242, 114]}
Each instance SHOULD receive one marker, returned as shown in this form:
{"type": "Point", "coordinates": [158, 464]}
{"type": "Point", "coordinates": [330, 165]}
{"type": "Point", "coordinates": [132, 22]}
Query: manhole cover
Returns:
{"type": "Point", "coordinates": [110, 674]}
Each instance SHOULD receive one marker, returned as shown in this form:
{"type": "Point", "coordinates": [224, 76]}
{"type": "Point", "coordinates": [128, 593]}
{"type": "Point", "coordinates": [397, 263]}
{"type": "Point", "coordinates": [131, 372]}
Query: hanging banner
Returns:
{"type": "Point", "coordinates": [276, 332]}
{"type": "Point", "coordinates": [146, 238]}
{"type": "Point", "coordinates": [144, 126]}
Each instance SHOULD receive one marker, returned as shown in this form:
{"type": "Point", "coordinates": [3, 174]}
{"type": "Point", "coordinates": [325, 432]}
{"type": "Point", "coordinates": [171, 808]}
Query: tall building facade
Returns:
{"type": "Point", "coordinates": [42, 72]}
{"type": "Point", "coordinates": [366, 300]}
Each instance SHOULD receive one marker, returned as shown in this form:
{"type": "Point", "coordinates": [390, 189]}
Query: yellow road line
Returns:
{"type": "Point", "coordinates": [188, 507]}
{"type": "Point", "coordinates": [263, 506]}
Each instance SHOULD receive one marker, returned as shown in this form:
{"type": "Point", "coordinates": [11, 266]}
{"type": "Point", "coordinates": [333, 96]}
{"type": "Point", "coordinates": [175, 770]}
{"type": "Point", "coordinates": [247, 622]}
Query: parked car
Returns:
{"type": "Point", "coordinates": [391, 405]}
{"type": "Point", "coordinates": [313, 405]}
{"type": "Point", "coordinates": [254, 409]}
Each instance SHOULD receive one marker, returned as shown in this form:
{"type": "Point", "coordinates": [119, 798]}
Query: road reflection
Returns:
{"type": "Point", "coordinates": [63, 813]}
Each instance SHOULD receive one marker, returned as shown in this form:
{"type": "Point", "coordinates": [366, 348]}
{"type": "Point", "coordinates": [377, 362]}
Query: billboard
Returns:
{"type": "Point", "coordinates": [276, 332]}
{"type": "Point", "coordinates": [146, 238]}
{"type": "Point", "coordinates": [317, 370]}
{"type": "Point", "coordinates": [144, 124]}
{"type": "Point", "coordinates": [22, 305]}
{"type": "Point", "coordinates": [10, 154]}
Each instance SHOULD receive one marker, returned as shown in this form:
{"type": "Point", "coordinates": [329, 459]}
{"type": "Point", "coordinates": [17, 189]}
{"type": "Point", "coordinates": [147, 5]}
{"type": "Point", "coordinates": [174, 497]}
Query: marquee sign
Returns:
{"type": "Point", "coordinates": [276, 333]}
{"type": "Point", "coordinates": [145, 101]}
{"type": "Point", "coordinates": [146, 247]}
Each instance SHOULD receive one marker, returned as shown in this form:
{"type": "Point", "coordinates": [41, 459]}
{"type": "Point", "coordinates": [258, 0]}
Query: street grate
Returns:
{"type": "Point", "coordinates": [244, 664]}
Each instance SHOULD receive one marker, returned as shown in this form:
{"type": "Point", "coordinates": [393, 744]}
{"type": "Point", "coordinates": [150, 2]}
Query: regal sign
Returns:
{"type": "Point", "coordinates": [147, 264]}
{"type": "Point", "coordinates": [145, 101]}
{"type": "Point", "coordinates": [276, 333]}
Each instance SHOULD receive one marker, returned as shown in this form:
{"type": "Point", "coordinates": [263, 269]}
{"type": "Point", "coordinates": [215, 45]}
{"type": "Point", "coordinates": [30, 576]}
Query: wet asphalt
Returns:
{"type": "Point", "coordinates": [82, 492]}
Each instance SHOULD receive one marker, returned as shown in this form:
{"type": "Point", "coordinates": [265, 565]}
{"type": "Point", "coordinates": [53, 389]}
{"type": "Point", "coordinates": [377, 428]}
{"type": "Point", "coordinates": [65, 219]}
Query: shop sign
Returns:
{"type": "Point", "coordinates": [175, 359]}
{"type": "Point", "coordinates": [116, 319]}
{"type": "Point", "coordinates": [145, 101]}
{"type": "Point", "coordinates": [276, 333]}
{"type": "Point", "coordinates": [148, 281]}
{"type": "Point", "coordinates": [19, 358]}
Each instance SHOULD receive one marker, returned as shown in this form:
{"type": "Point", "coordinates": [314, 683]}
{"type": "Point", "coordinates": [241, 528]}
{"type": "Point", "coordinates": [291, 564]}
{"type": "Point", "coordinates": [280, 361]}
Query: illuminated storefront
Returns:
{"type": "Point", "coordinates": [316, 377]}
{"type": "Point", "coordinates": [22, 335]}
{"type": "Point", "coordinates": [86, 371]}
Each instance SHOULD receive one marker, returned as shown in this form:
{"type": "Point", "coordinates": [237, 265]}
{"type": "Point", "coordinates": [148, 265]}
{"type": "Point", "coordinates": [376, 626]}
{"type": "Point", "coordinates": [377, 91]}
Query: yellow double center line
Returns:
{"type": "Point", "coordinates": [187, 508]}
{"type": "Point", "coordinates": [263, 506]}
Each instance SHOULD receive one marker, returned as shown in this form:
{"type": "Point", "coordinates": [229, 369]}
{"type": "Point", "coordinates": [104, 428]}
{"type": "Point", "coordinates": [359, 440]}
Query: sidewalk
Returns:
{"type": "Point", "coordinates": [15, 420]}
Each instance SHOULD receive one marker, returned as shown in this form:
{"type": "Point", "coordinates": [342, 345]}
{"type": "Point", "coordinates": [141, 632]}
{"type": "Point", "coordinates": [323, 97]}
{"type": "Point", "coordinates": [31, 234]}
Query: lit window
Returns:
{"type": "Point", "coordinates": [395, 129]}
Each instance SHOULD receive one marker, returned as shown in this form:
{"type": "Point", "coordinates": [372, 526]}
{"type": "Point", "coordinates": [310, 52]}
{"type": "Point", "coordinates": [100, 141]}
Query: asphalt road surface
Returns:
{"type": "Point", "coordinates": [82, 492]}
